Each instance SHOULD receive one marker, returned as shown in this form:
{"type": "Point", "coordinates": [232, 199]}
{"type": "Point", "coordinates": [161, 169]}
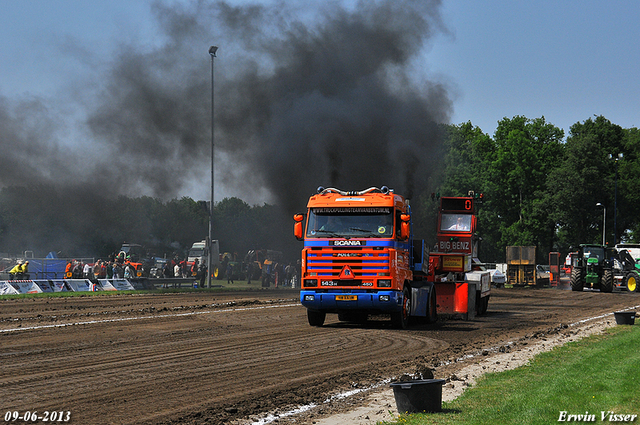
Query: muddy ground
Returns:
{"type": "Point", "coordinates": [217, 358]}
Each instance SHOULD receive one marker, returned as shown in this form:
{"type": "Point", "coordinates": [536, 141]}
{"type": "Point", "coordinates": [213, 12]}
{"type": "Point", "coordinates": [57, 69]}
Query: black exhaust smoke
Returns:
{"type": "Point", "coordinates": [335, 96]}
{"type": "Point", "coordinates": [325, 98]}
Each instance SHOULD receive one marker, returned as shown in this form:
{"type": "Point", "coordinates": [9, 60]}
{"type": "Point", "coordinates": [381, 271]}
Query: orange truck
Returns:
{"type": "Point", "coordinates": [360, 258]}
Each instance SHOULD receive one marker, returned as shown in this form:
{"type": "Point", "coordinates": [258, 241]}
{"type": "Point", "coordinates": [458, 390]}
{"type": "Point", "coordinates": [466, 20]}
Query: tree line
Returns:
{"type": "Point", "coordinates": [542, 190]}
{"type": "Point", "coordinates": [539, 189]}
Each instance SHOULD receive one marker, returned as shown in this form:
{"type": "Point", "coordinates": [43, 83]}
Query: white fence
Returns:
{"type": "Point", "coordinates": [8, 287]}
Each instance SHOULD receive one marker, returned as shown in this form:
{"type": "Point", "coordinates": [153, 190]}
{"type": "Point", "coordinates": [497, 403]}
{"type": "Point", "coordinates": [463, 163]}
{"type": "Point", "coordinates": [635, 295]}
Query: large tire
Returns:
{"type": "Point", "coordinates": [606, 283]}
{"type": "Point", "coordinates": [481, 304]}
{"type": "Point", "coordinates": [400, 319]}
{"type": "Point", "coordinates": [432, 314]}
{"type": "Point", "coordinates": [577, 281]}
{"type": "Point", "coordinates": [631, 282]}
{"type": "Point", "coordinates": [316, 318]}
{"type": "Point", "coordinates": [484, 305]}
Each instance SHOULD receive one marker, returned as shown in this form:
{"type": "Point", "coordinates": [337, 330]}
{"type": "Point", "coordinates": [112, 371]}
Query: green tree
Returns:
{"type": "Point", "coordinates": [469, 151]}
{"type": "Point", "coordinates": [526, 152]}
{"type": "Point", "coordinates": [467, 163]}
{"type": "Point", "coordinates": [584, 178]}
{"type": "Point", "coordinates": [628, 226]}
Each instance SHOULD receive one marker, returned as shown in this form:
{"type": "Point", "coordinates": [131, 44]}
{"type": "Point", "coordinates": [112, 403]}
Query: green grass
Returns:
{"type": "Point", "coordinates": [598, 373]}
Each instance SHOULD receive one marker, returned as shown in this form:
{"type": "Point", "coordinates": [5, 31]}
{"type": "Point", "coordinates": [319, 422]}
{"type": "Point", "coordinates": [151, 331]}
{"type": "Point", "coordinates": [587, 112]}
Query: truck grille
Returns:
{"type": "Point", "coordinates": [364, 262]}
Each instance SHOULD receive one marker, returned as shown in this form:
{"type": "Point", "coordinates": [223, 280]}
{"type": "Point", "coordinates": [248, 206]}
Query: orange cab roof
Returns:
{"type": "Point", "coordinates": [333, 199]}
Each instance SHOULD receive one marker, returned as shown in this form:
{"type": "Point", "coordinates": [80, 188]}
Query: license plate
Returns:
{"type": "Point", "coordinates": [346, 297]}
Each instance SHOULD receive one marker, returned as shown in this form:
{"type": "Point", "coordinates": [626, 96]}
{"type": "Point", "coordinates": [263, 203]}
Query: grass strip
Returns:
{"type": "Point", "coordinates": [597, 375]}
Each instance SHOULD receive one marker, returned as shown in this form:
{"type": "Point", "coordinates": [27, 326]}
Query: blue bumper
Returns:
{"type": "Point", "coordinates": [330, 302]}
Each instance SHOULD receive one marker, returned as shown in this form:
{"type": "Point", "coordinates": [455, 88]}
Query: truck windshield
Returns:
{"type": "Point", "coordinates": [456, 222]}
{"type": "Point", "coordinates": [594, 252]}
{"type": "Point", "coordinates": [373, 222]}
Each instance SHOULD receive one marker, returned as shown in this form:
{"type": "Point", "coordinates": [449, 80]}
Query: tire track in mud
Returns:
{"type": "Point", "coordinates": [220, 350]}
{"type": "Point", "coordinates": [213, 368]}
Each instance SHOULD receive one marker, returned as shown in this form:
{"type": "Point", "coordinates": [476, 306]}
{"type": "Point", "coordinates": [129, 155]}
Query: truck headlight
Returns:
{"type": "Point", "coordinates": [384, 283]}
{"type": "Point", "coordinates": [384, 298]}
{"type": "Point", "coordinates": [309, 298]}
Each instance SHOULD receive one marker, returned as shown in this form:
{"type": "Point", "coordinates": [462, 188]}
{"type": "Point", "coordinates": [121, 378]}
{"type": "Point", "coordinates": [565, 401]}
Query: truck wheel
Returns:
{"type": "Point", "coordinates": [606, 284]}
{"type": "Point", "coordinates": [479, 301]}
{"type": "Point", "coordinates": [577, 283]}
{"type": "Point", "coordinates": [400, 319]}
{"type": "Point", "coordinates": [631, 282]}
{"type": "Point", "coordinates": [316, 318]}
{"type": "Point", "coordinates": [484, 305]}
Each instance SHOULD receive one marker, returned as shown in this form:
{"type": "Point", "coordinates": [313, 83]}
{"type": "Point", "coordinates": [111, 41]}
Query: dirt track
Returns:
{"type": "Point", "coordinates": [214, 358]}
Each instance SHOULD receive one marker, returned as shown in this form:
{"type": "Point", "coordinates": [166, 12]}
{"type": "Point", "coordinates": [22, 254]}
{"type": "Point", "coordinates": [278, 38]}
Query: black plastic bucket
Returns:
{"type": "Point", "coordinates": [418, 396]}
{"type": "Point", "coordinates": [625, 317]}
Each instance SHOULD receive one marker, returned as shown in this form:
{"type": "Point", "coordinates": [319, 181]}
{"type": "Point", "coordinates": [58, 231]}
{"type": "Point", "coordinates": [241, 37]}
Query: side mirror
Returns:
{"type": "Point", "coordinates": [298, 227]}
{"type": "Point", "coordinates": [405, 227]}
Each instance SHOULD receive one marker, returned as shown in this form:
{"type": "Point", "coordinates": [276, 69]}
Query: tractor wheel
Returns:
{"type": "Point", "coordinates": [631, 282]}
{"type": "Point", "coordinates": [432, 314]}
{"type": "Point", "coordinates": [400, 319]}
{"type": "Point", "coordinates": [577, 282]}
{"type": "Point", "coordinates": [606, 283]}
{"type": "Point", "coordinates": [316, 318]}
{"type": "Point", "coordinates": [485, 305]}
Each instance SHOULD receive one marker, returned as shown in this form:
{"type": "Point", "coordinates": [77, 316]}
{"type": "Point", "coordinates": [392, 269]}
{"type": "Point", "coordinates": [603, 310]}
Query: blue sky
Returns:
{"type": "Point", "coordinates": [42, 40]}
{"type": "Point", "coordinates": [566, 60]}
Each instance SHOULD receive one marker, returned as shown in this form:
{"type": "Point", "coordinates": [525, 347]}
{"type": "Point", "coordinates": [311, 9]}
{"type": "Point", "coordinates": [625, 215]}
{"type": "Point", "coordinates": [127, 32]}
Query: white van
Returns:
{"type": "Point", "coordinates": [199, 251]}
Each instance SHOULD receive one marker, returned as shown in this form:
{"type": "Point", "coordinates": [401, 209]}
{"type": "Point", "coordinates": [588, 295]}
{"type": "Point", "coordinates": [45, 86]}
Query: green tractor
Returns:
{"type": "Point", "coordinates": [593, 268]}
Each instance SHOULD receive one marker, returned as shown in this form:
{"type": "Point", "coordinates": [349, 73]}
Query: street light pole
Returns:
{"type": "Point", "coordinates": [615, 203]}
{"type": "Point", "coordinates": [604, 222]}
{"type": "Point", "coordinates": [212, 52]}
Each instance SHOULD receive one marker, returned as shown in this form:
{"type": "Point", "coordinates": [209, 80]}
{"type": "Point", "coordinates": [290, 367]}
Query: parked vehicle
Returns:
{"type": "Point", "coordinates": [543, 274]}
{"type": "Point", "coordinates": [626, 268]}
{"type": "Point", "coordinates": [592, 268]}
{"type": "Point", "coordinates": [521, 265]}
{"type": "Point", "coordinates": [158, 266]}
{"type": "Point", "coordinates": [200, 251]}
{"type": "Point", "coordinates": [498, 279]}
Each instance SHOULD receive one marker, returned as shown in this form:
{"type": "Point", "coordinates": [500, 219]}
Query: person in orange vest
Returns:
{"type": "Point", "coordinates": [194, 268]}
{"type": "Point", "coordinates": [68, 271]}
